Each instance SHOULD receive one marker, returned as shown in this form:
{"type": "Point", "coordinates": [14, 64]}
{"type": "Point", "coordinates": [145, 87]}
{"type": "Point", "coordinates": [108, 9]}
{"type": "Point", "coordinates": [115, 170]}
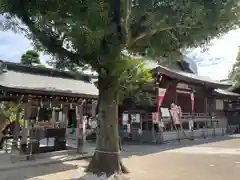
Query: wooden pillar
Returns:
{"type": "Point", "coordinates": [61, 117]}
{"type": "Point", "coordinates": [37, 117]}
{"type": "Point", "coordinates": [65, 117]}
{"type": "Point", "coordinates": [197, 123]}
{"type": "Point", "coordinates": [176, 98]}
{"type": "Point", "coordinates": [79, 129]}
{"type": "Point", "coordinates": [27, 112]}
{"type": "Point", "coordinates": [94, 106]}
{"type": "Point", "coordinates": [53, 117]}
{"type": "Point", "coordinates": [206, 104]}
{"type": "Point", "coordinates": [211, 111]}
{"type": "Point", "coordinates": [16, 130]}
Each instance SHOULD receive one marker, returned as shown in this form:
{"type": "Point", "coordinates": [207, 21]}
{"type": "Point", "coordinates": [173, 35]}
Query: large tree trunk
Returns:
{"type": "Point", "coordinates": [106, 158]}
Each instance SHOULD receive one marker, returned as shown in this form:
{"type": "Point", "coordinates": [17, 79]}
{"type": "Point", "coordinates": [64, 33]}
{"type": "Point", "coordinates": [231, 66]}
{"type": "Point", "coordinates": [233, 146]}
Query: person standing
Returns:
{"type": "Point", "coordinates": [180, 118]}
{"type": "Point", "coordinates": [175, 116]}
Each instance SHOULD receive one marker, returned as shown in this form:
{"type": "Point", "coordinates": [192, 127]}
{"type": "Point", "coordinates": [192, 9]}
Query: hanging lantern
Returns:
{"type": "Point", "coordinates": [37, 117]}
{"type": "Point", "coordinates": [50, 105]}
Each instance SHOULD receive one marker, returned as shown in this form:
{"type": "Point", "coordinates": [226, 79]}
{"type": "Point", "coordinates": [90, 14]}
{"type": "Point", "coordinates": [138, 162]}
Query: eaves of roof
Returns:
{"type": "Point", "coordinates": [190, 77]}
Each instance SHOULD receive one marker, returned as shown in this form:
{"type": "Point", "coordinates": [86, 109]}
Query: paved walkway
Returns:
{"type": "Point", "coordinates": [216, 158]}
{"type": "Point", "coordinates": [45, 158]}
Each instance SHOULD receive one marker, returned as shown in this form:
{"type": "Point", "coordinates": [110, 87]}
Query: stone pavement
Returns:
{"type": "Point", "coordinates": [217, 158]}
{"type": "Point", "coordinates": [45, 158]}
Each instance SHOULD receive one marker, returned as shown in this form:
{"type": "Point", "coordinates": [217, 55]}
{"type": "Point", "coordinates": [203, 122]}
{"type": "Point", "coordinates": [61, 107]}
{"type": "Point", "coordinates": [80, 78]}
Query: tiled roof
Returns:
{"type": "Point", "coordinates": [190, 77]}
{"type": "Point", "coordinates": [226, 93]}
{"type": "Point", "coordinates": [37, 82]}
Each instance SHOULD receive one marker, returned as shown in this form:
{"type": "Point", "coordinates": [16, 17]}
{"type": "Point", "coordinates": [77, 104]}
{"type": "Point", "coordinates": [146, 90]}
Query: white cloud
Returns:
{"type": "Point", "coordinates": [12, 46]}
{"type": "Point", "coordinates": [218, 60]}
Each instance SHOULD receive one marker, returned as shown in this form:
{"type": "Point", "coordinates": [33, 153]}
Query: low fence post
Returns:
{"type": "Point", "coordinates": [178, 136]}
{"type": "Point", "coordinates": [214, 132]}
{"type": "Point", "coordinates": [203, 133]}
{"type": "Point", "coordinates": [161, 135]}
{"type": "Point", "coordinates": [192, 135]}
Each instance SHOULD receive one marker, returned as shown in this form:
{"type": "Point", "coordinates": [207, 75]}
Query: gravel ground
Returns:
{"type": "Point", "coordinates": [217, 159]}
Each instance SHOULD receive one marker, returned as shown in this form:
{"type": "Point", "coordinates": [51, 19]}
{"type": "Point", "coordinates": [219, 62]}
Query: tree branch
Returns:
{"type": "Point", "coordinates": [49, 41]}
{"type": "Point", "coordinates": [154, 31]}
{"type": "Point", "coordinates": [127, 4]}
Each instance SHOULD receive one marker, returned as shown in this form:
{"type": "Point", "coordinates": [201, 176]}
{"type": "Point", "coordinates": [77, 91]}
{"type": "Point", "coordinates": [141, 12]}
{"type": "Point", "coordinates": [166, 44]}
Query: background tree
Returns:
{"type": "Point", "coordinates": [133, 79]}
{"type": "Point", "coordinates": [3, 118]}
{"type": "Point", "coordinates": [41, 66]}
{"type": "Point", "coordinates": [235, 74]}
{"type": "Point", "coordinates": [99, 33]}
{"type": "Point", "coordinates": [9, 111]}
{"type": "Point", "coordinates": [30, 57]}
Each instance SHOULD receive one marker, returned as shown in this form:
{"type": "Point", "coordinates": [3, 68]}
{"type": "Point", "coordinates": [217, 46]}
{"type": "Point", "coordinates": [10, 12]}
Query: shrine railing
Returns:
{"type": "Point", "coordinates": [196, 115]}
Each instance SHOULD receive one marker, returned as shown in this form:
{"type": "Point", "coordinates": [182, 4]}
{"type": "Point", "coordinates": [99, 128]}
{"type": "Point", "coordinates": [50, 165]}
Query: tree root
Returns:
{"type": "Point", "coordinates": [124, 169]}
{"type": "Point", "coordinates": [101, 166]}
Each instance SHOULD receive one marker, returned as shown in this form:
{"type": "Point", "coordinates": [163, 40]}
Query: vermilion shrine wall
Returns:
{"type": "Point", "coordinates": [180, 94]}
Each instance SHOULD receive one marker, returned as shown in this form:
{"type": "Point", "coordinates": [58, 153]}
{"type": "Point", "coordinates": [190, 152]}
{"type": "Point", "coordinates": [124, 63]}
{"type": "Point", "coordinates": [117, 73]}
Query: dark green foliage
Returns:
{"type": "Point", "coordinates": [86, 32]}
{"type": "Point", "coordinates": [30, 57]}
{"type": "Point", "coordinates": [132, 82]}
{"type": "Point", "coordinates": [9, 110]}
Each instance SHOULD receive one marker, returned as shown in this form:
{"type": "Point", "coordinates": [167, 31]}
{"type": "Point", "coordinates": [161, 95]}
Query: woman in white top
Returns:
{"type": "Point", "coordinates": [175, 115]}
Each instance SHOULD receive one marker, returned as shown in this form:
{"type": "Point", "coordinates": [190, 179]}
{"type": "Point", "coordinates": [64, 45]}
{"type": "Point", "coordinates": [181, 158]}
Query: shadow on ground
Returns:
{"type": "Point", "coordinates": [39, 172]}
{"type": "Point", "coordinates": [129, 150]}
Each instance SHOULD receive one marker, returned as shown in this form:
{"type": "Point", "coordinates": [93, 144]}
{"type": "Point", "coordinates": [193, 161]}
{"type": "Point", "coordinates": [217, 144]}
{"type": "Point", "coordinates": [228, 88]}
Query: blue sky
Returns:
{"type": "Point", "coordinates": [215, 62]}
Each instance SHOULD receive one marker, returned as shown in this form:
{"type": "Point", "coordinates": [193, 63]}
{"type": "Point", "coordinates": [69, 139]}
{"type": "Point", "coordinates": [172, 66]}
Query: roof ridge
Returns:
{"type": "Point", "coordinates": [182, 75]}
{"type": "Point", "coordinates": [52, 72]}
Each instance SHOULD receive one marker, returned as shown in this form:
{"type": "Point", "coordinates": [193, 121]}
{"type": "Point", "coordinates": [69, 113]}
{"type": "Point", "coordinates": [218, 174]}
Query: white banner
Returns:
{"type": "Point", "coordinates": [155, 118]}
{"type": "Point", "coordinates": [125, 118]}
{"type": "Point", "coordinates": [135, 118]}
{"type": "Point", "coordinates": [161, 91]}
{"type": "Point", "coordinates": [161, 94]}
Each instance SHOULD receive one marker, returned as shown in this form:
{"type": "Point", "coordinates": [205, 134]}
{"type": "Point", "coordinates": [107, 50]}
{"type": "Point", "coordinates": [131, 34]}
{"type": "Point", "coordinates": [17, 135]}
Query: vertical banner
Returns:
{"type": "Point", "coordinates": [192, 101]}
{"type": "Point", "coordinates": [191, 124]}
{"type": "Point", "coordinates": [129, 129]}
{"type": "Point", "coordinates": [124, 118]}
{"type": "Point", "coordinates": [161, 94]}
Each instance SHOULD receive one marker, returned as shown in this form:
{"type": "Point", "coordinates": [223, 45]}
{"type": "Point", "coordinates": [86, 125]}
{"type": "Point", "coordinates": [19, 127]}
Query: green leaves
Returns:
{"type": "Point", "coordinates": [235, 74]}
{"type": "Point", "coordinates": [133, 78]}
{"type": "Point", "coordinates": [169, 26]}
{"type": "Point", "coordinates": [9, 110]}
{"type": "Point", "coordinates": [84, 32]}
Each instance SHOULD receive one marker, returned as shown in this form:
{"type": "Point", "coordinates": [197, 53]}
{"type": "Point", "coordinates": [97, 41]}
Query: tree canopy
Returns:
{"type": "Point", "coordinates": [132, 82]}
{"type": "Point", "coordinates": [101, 34]}
{"type": "Point", "coordinates": [30, 57]}
{"type": "Point", "coordinates": [92, 32]}
{"type": "Point", "coordinates": [235, 74]}
{"type": "Point", "coordinates": [8, 111]}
